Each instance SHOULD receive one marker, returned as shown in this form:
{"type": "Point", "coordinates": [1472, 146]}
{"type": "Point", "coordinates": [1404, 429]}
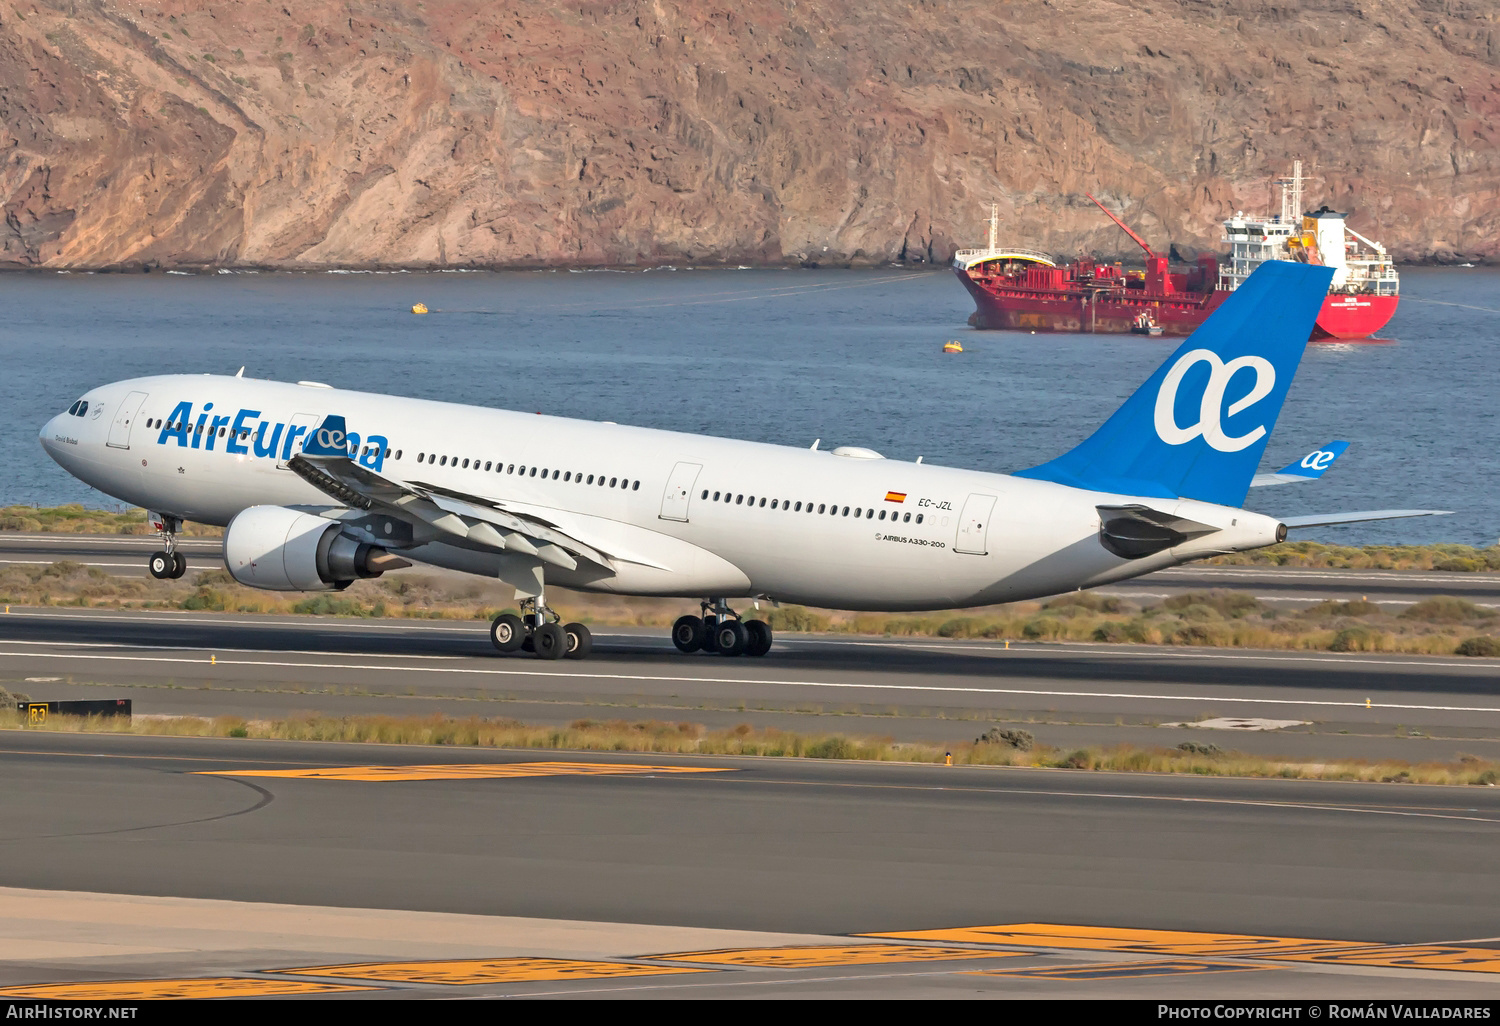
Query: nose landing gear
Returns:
{"type": "Point", "coordinates": [168, 564]}
{"type": "Point", "coordinates": [720, 630]}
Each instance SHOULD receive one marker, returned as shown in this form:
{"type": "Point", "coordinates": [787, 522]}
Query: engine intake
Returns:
{"type": "Point", "coordinates": [281, 549]}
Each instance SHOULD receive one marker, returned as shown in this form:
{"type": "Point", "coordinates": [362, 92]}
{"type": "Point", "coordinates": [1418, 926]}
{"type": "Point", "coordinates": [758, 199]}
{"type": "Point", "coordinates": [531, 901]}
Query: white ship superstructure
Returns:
{"type": "Point", "coordinates": [1361, 266]}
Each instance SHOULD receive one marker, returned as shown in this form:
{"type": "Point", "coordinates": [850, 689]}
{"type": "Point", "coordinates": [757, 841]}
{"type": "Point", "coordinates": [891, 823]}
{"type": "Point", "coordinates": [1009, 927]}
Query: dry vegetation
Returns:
{"type": "Point", "coordinates": [1441, 625]}
{"type": "Point", "coordinates": [1437, 626]}
{"type": "Point", "coordinates": [75, 519]}
{"type": "Point", "coordinates": [997, 748]}
{"type": "Point", "coordinates": [1449, 558]}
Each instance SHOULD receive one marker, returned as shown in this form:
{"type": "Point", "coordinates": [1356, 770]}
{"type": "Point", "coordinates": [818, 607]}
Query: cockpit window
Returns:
{"type": "Point", "coordinates": [78, 409]}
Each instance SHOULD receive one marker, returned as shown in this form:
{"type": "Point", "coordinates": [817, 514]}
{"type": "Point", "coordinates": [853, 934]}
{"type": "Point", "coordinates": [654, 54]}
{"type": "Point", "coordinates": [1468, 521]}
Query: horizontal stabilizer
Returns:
{"type": "Point", "coordinates": [1329, 519]}
{"type": "Point", "coordinates": [1134, 531]}
{"type": "Point", "coordinates": [1308, 468]}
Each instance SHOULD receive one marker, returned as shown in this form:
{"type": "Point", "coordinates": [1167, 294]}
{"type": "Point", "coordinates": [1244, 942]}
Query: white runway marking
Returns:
{"type": "Point", "coordinates": [1031, 649]}
{"type": "Point", "coordinates": [50, 562]}
{"type": "Point", "coordinates": [668, 679]}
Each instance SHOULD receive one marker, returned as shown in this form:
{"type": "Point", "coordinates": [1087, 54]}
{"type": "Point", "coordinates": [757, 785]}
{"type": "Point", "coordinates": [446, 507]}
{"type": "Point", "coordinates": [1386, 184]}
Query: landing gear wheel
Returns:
{"type": "Point", "coordinates": [759, 641]}
{"type": "Point", "coordinates": [688, 634]}
{"type": "Point", "coordinates": [161, 565]}
{"type": "Point", "coordinates": [179, 565]}
{"type": "Point", "coordinates": [549, 641]}
{"type": "Point", "coordinates": [730, 638]}
{"type": "Point", "coordinates": [508, 632]}
{"type": "Point", "coordinates": [580, 641]}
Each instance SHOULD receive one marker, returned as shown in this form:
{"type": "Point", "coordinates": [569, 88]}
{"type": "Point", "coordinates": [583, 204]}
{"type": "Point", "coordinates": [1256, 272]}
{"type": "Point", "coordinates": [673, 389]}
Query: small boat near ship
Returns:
{"type": "Point", "coordinates": [1022, 289]}
{"type": "Point", "coordinates": [1144, 325]}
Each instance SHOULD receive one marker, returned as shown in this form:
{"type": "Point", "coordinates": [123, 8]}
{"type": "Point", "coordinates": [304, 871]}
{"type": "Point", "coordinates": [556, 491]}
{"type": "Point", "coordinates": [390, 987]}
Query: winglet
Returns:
{"type": "Point", "coordinates": [330, 438]}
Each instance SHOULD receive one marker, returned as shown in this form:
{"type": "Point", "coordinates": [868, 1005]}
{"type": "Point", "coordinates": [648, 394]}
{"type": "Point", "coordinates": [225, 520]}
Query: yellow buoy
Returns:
{"type": "Point", "coordinates": [419, 308]}
{"type": "Point", "coordinates": [954, 346]}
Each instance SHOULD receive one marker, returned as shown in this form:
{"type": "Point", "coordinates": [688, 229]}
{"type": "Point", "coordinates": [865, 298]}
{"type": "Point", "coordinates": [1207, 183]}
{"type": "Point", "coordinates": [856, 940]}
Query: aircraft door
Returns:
{"type": "Point", "coordinates": [974, 525]}
{"type": "Point", "coordinates": [119, 431]}
{"type": "Point", "coordinates": [679, 493]}
{"type": "Point", "coordinates": [305, 421]}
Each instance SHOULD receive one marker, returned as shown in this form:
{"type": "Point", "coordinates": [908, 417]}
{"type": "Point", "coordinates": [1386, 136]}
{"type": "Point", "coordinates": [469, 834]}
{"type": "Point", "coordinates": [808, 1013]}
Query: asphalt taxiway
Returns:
{"type": "Point", "coordinates": [174, 663]}
{"type": "Point", "coordinates": [137, 866]}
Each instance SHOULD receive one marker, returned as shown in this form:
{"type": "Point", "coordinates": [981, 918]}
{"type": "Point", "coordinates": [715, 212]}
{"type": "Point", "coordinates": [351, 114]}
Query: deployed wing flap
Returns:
{"type": "Point", "coordinates": [466, 520]}
{"type": "Point", "coordinates": [1134, 531]}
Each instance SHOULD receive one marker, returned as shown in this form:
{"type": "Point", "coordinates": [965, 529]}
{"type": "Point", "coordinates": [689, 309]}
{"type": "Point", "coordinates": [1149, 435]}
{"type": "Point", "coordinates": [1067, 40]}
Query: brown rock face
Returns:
{"type": "Point", "coordinates": [463, 132]}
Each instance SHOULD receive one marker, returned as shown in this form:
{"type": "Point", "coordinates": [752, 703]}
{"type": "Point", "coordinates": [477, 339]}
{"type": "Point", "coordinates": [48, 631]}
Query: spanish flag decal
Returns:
{"type": "Point", "coordinates": [895, 496]}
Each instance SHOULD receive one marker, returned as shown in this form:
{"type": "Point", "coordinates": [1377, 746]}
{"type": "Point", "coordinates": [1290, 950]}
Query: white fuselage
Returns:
{"type": "Point", "coordinates": [681, 514]}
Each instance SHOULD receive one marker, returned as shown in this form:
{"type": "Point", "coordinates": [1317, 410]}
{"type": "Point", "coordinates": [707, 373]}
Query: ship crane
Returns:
{"type": "Point", "coordinates": [1157, 278]}
{"type": "Point", "coordinates": [1123, 226]}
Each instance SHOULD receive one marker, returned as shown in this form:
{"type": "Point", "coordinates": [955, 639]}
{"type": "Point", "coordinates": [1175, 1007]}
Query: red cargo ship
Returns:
{"type": "Point", "coordinates": [1023, 290]}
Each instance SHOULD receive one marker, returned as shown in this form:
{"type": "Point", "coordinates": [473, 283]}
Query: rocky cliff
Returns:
{"type": "Point", "coordinates": [311, 133]}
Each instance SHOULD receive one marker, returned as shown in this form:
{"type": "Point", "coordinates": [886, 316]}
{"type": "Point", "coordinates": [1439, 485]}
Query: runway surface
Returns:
{"type": "Point", "coordinates": [668, 876]}
{"type": "Point", "coordinates": [172, 663]}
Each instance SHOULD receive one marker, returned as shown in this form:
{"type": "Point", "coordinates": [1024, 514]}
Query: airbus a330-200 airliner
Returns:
{"type": "Point", "coordinates": [318, 487]}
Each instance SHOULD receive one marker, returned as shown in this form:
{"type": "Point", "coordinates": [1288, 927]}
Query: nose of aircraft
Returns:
{"type": "Point", "coordinates": [49, 434]}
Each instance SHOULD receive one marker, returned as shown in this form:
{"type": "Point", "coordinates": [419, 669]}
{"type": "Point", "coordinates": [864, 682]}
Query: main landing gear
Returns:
{"type": "Point", "coordinates": [721, 630]}
{"type": "Point", "coordinates": [168, 564]}
{"type": "Point", "coordinates": [538, 631]}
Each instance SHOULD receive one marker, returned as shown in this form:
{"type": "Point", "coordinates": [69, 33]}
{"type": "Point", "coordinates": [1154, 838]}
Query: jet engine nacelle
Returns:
{"type": "Point", "coordinates": [281, 549]}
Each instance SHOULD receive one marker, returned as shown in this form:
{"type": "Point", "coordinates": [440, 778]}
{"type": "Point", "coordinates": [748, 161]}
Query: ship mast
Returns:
{"type": "Point", "coordinates": [1291, 194]}
{"type": "Point", "coordinates": [994, 225]}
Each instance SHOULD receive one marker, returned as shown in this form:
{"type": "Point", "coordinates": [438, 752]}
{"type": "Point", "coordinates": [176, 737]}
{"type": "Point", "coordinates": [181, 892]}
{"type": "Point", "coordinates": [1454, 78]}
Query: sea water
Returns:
{"type": "Point", "coordinates": [783, 356]}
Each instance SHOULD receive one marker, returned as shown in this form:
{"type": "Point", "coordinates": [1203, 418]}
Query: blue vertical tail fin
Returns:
{"type": "Point", "coordinates": [1198, 426]}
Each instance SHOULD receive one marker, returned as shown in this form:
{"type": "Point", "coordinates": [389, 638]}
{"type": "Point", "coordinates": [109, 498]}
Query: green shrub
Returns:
{"type": "Point", "coordinates": [1199, 748]}
{"type": "Point", "coordinates": [796, 619]}
{"type": "Point", "coordinates": [1021, 740]}
{"type": "Point", "coordinates": [1112, 631]}
{"type": "Point", "coordinates": [1333, 607]}
{"type": "Point", "coordinates": [327, 605]}
{"type": "Point", "coordinates": [1446, 609]}
{"type": "Point", "coordinates": [1353, 639]}
{"type": "Point", "coordinates": [1083, 601]}
{"type": "Point", "coordinates": [1231, 604]}
{"type": "Point", "coordinates": [1479, 645]}
{"type": "Point", "coordinates": [207, 599]}
{"type": "Point", "coordinates": [830, 748]}
{"type": "Point", "coordinates": [1042, 627]}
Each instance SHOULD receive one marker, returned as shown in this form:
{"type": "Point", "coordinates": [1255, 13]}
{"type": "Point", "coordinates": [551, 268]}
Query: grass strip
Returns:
{"type": "Point", "coordinates": [997, 748]}
{"type": "Point", "coordinates": [1439, 625]}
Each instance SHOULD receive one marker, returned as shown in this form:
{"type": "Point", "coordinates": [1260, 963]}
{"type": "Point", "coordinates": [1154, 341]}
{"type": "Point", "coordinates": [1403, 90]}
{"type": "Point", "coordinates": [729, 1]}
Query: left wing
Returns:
{"type": "Point", "coordinates": [1308, 468]}
{"type": "Point", "coordinates": [436, 513]}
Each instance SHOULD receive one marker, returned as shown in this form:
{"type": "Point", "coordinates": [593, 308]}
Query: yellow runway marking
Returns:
{"type": "Point", "coordinates": [1104, 938]}
{"type": "Point", "coordinates": [466, 971]}
{"type": "Point", "coordinates": [150, 990]}
{"type": "Point", "coordinates": [1410, 956]}
{"type": "Point", "coordinates": [830, 954]}
{"type": "Point", "coordinates": [468, 771]}
{"type": "Point", "coordinates": [1118, 970]}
